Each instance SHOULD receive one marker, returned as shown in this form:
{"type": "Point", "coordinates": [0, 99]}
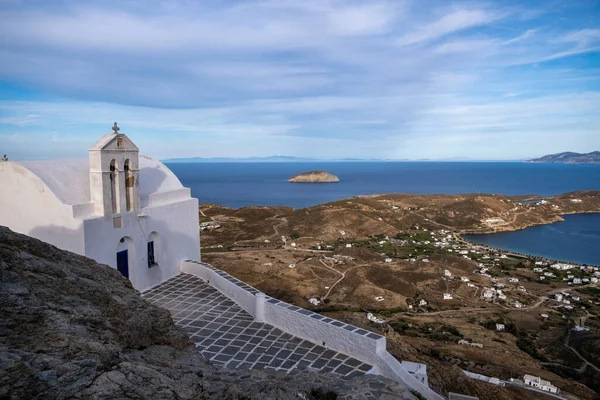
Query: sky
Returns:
{"type": "Point", "coordinates": [389, 79]}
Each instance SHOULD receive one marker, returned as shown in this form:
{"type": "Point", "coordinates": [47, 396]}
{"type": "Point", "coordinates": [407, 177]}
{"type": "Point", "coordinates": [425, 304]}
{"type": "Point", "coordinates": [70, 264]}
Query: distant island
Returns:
{"type": "Point", "coordinates": [314, 177]}
{"type": "Point", "coordinates": [570, 158]}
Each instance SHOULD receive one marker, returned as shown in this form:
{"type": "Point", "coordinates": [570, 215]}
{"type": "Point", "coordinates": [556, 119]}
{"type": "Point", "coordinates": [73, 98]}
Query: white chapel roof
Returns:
{"type": "Point", "coordinates": [69, 180]}
{"type": "Point", "coordinates": [107, 139]}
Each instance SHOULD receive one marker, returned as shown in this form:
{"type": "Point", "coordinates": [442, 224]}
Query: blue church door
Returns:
{"type": "Point", "coordinates": [123, 263]}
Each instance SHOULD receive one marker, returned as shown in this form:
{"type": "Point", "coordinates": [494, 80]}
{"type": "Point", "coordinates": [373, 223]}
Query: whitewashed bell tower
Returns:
{"type": "Point", "coordinates": [114, 173]}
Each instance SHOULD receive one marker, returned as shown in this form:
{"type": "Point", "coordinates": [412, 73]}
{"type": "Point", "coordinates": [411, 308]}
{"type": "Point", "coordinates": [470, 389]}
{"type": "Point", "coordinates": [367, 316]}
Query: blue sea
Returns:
{"type": "Point", "coordinates": [244, 184]}
{"type": "Point", "coordinates": [577, 239]}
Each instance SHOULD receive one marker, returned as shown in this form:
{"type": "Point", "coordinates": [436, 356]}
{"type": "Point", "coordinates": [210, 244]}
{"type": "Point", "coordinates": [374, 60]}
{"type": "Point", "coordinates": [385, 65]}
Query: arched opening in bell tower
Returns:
{"type": "Point", "coordinates": [129, 184]}
{"type": "Point", "coordinates": [114, 194]}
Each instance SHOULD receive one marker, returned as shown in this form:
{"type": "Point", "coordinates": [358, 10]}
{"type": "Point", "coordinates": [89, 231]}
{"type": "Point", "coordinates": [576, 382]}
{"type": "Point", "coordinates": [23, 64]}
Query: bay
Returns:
{"type": "Point", "coordinates": [577, 239]}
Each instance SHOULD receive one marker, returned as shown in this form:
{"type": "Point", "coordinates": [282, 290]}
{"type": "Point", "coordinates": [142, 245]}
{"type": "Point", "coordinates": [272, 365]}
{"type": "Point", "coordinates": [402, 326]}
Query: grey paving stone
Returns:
{"type": "Point", "coordinates": [343, 369]}
{"type": "Point", "coordinates": [230, 350]}
{"type": "Point", "coordinates": [252, 357]}
{"type": "Point", "coordinates": [228, 336]}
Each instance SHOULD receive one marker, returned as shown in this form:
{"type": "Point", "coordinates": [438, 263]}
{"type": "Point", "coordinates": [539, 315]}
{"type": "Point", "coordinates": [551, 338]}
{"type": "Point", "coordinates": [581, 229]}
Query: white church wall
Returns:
{"type": "Point", "coordinates": [176, 226]}
{"type": "Point", "coordinates": [160, 198]}
{"type": "Point", "coordinates": [28, 206]}
{"type": "Point", "coordinates": [391, 368]}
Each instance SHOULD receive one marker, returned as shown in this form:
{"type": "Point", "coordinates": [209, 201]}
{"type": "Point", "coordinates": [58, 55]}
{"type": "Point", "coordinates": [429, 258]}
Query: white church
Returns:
{"type": "Point", "coordinates": [116, 207]}
{"type": "Point", "coordinates": [133, 214]}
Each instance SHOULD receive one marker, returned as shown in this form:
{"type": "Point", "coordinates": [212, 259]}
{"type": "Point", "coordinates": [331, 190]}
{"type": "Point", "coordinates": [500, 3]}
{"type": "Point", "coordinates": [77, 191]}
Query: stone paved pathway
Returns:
{"type": "Point", "coordinates": [228, 336]}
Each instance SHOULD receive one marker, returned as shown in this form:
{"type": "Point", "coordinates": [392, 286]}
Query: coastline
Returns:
{"type": "Point", "coordinates": [526, 255]}
{"type": "Point", "coordinates": [363, 216]}
{"type": "Point", "coordinates": [520, 228]}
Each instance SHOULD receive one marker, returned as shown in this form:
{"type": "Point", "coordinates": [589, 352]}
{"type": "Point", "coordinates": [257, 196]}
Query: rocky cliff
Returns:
{"type": "Point", "coordinates": [314, 177]}
{"type": "Point", "coordinates": [71, 328]}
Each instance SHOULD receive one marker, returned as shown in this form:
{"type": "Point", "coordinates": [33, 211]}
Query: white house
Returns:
{"type": "Point", "coordinates": [447, 296]}
{"type": "Point", "coordinates": [116, 207]}
{"type": "Point", "coordinates": [537, 382]}
{"type": "Point", "coordinates": [562, 266]}
{"type": "Point", "coordinates": [558, 296]}
{"type": "Point", "coordinates": [500, 327]}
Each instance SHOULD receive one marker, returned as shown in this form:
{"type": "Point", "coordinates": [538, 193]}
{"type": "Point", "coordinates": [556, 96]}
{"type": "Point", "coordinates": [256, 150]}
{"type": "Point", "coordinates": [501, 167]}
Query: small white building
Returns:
{"type": "Point", "coordinates": [314, 301]}
{"type": "Point", "coordinates": [500, 327]}
{"type": "Point", "coordinates": [388, 260]}
{"type": "Point", "coordinates": [447, 296]}
{"type": "Point", "coordinates": [464, 279]}
{"type": "Point", "coordinates": [422, 303]}
{"type": "Point", "coordinates": [374, 319]}
{"type": "Point", "coordinates": [447, 273]}
{"type": "Point", "coordinates": [537, 382]}
{"type": "Point", "coordinates": [558, 296]}
{"type": "Point", "coordinates": [562, 266]}
{"type": "Point", "coordinates": [116, 207]}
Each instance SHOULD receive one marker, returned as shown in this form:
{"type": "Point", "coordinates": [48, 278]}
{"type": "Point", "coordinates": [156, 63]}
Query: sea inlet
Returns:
{"type": "Point", "coordinates": [577, 239]}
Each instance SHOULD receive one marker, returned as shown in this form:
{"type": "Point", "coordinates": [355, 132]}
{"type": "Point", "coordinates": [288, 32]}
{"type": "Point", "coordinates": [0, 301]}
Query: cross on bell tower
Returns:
{"type": "Point", "coordinates": [115, 129]}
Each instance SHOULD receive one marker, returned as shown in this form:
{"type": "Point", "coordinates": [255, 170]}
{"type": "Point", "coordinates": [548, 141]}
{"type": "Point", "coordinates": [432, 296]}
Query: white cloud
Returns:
{"type": "Point", "coordinates": [457, 20]}
{"type": "Point", "coordinates": [388, 78]}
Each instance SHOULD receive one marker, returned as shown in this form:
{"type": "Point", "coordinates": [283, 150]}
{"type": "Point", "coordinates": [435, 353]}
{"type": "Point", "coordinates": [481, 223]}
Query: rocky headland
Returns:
{"type": "Point", "coordinates": [570, 158]}
{"type": "Point", "coordinates": [72, 328]}
{"type": "Point", "coordinates": [314, 177]}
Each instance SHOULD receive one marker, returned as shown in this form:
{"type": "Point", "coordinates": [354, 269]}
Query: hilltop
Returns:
{"type": "Point", "coordinates": [570, 158]}
{"type": "Point", "coordinates": [386, 254]}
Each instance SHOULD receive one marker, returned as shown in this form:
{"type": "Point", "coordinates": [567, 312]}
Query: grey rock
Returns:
{"type": "Point", "coordinates": [74, 329]}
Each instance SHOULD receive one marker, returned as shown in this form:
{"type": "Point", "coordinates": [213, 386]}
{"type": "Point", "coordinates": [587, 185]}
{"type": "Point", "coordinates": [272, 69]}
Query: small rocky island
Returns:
{"type": "Point", "coordinates": [314, 177]}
